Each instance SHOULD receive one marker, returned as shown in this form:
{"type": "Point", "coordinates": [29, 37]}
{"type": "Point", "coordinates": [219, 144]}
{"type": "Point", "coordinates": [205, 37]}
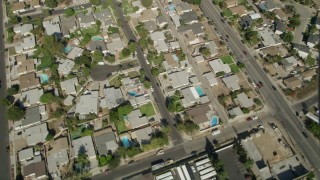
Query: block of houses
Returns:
{"type": "Point", "coordinates": [97, 45]}
{"type": "Point", "coordinates": [183, 7]}
{"type": "Point", "coordinates": [161, 21]}
{"type": "Point", "coordinates": [239, 10]}
{"type": "Point", "coordinates": [31, 97]}
{"type": "Point", "coordinates": [267, 5]}
{"type": "Point", "coordinates": [303, 51]}
{"type": "Point", "coordinates": [191, 96]}
{"type": "Point", "coordinates": [280, 27]}
{"type": "Point", "coordinates": [65, 67]}
{"type": "Point", "coordinates": [112, 98]}
{"type": "Point", "coordinates": [29, 81]}
{"type": "Point", "coordinates": [106, 141]}
{"type": "Point", "coordinates": [293, 82]}
{"type": "Point", "coordinates": [135, 119]}
{"type": "Point", "coordinates": [189, 18]}
{"type": "Point", "coordinates": [236, 111]}
{"type": "Point", "coordinates": [148, 15]}
{"type": "Point", "coordinates": [313, 40]}
{"type": "Point", "coordinates": [74, 53]}
{"type": "Point", "coordinates": [116, 45]}
{"type": "Point", "coordinates": [150, 26]}
{"type": "Point", "coordinates": [69, 86]}
{"type": "Point", "coordinates": [36, 134]}
{"type": "Point", "coordinates": [243, 100]}
{"type": "Point", "coordinates": [201, 115]}
{"type": "Point", "coordinates": [25, 155]}
{"type": "Point", "coordinates": [211, 78]}
{"type": "Point", "coordinates": [23, 29]}
{"type": "Point", "coordinates": [68, 25]}
{"type": "Point", "coordinates": [218, 66]}
{"type": "Point", "coordinates": [24, 65]}
{"type": "Point", "coordinates": [179, 79]}
{"type": "Point", "coordinates": [104, 16]}
{"type": "Point", "coordinates": [34, 116]}
{"type": "Point", "coordinates": [88, 104]}
{"type": "Point", "coordinates": [170, 62]}
{"type": "Point", "coordinates": [52, 27]}
{"type": "Point", "coordinates": [143, 135]}
{"type": "Point", "coordinates": [196, 28]}
{"type": "Point", "coordinates": [28, 44]}
{"type": "Point", "coordinates": [85, 20]}
{"type": "Point", "coordinates": [309, 74]}
{"type": "Point", "coordinates": [159, 41]}
{"type": "Point", "coordinates": [267, 37]}
{"type": "Point", "coordinates": [213, 48]}
{"type": "Point", "coordinates": [231, 3]}
{"type": "Point", "coordinates": [35, 171]}
{"type": "Point", "coordinates": [84, 145]}
{"type": "Point", "coordinates": [57, 156]}
{"type": "Point", "coordinates": [232, 82]}
{"type": "Point", "coordinates": [289, 63]}
{"type": "Point", "coordinates": [18, 7]}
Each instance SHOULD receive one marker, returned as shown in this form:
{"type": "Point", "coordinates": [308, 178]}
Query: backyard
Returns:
{"type": "Point", "coordinates": [227, 59]}
{"type": "Point", "coordinates": [46, 62]}
{"type": "Point", "coordinates": [147, 109]}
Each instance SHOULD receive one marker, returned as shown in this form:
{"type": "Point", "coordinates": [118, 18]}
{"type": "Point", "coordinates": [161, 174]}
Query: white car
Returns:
{"type": "Point", "coordinates": [215, 132]}
{"type": "Point", "coordinates": [161, 151]}
{"type": "Point", "coordinates": [151, 89]}
{"type": "Point", "coordinates": [193, 169]}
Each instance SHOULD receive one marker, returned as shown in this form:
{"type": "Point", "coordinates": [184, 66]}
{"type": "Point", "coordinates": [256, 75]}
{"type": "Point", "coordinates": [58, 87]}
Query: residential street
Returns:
{"type": "Point", "coordinates": [4, 135]}
{"type": "Point", "coordinates": [273, 99]}
{"type": "Point", "coordinates": [157, 93]}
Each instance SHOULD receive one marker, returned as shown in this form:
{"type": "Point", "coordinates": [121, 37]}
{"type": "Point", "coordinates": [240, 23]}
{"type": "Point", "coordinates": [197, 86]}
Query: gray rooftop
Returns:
{"type": "Point", "coordinates": [106, 142]}
{"type": "Point", "coordinates": [97, 45]}
{"type": "Point", "coordinates": [36, 134]}
{"type": "Point", "coordinates": [188, 17]}
{"type": "Point", "coordinates": [31, 97]}
{"type": "Point", "coordinates": [314, 38]}
{"type": "Point", "coordinates": [280, 26]}
{"type": "Point", "coordinates": [231, 82]}
{"type": "Point", "coordinates": [179, 79]}
{"type": "Point", "coordinates": [85, 18]}
{"type": "Point", "coordinates": [52, 28]}
{"type": "Point", "coordinates": [161, 19]}
{"type": "Point", "coordinates": [25, 154]}
{"type": "Point", "coordinates": [244, 101]}
{"type": "Point", "coordinates": [84, 145]}
{"type": "Point", "coordinates": [32, 116]}
{"type": "Point", "coordinates": [67, 24]}
{"type": "Point", "coordinates": [57, 159]}
{"type": "Point", "coordinates": [75, 52]}
{"type": "Point", "coordinates": [136, 119]}
{"type": "Point", "coordinates": [301, 47]}
{"type": "Point", "coordinates": [65, 67]}
{"type": "Point", "coordinates": [102, 14]}
{"type": "Point", "coordinates": [23, 29]}
{"type": "Point", "coordinates": [212, 47]}
{"type": "Point", "coordinates": [150, 25]}
{"type": "Point", "coordinates": [270, 4]}
{"type": "Point", "coordinates": [196, 28]}
{"type": "Point", "coordinates": [190, 96]}
{"type": "Point", "coordinates": [88, 104]}
{"type": "Point", "coordinates": [69, 86]}
{"type": "Point", "coordinates": [113, 97]}
{"type": "Point", "coordinates": [235, 111]}
{"type": "Point", "coordinates": [143, 135]}
{"type": "Point", "coordinates": [115, 46]}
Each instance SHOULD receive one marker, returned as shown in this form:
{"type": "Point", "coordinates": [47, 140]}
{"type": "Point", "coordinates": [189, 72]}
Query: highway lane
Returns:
{"type": "Point", "coordinates": [4, 134]}
{"type": "Point", "coordinates": [157, 93]}
{"type": "Point", "coordinates": [274, 99]}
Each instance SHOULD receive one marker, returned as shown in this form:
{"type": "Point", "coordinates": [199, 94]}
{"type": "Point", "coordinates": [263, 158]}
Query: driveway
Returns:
{"type": "Point", "coordinates": [102, 72]}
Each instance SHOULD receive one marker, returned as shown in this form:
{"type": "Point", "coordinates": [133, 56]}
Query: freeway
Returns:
{"type": "Point", "coordinates": [4, 134]}
{"type": "Point", "coordinates": [275, 101]}
{"type": "Point", "coordinates": [157, 93]}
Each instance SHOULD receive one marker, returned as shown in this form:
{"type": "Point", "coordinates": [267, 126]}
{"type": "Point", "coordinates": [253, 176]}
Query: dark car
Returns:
{"type": "Point", "coordinates": [227, 36]}
{"type": "Point", "coordinates": [274, 88]}
{"type": "Point", "coordinates": [130, 162]}
{"type": "Point", "coordinates": [305, 134]}
{"type": "Point", "coordinates": [245, 53]}
{"type": "Point", "coordinates": [0, 83]}
{"type": "Point", "coordinates": [249, 118]}
{"type": "Point", "coordinates": [261, 84]}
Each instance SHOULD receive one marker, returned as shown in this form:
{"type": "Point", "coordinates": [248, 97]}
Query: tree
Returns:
{"type": "Point", "coordinates": [146, 3]}
{"type": "Point", "coordinates": [115, 162]}
{"type": "Point", "coordinates": [48, 98]}
{"type": "Point", "coordinates": [287, 37]}
{"type": "Point", "coordinates": [58, 113]}
{"type": "Point", "coordinates": [125, 53]}
{"type": "Point", "coordinates": [15, 113]}
{"type": "Point", "coordinates": [104, 160]}
{"type": "Point", "coordinates": [46, 12]}
{"type": "Point", "coordinates": [147, 84]}
{"type": "Point", "coordinates": [83, 60]}
{"type": "Point", "coordinates": [49, 137]}
{"type": "Point", "coordinates": [245, 110]}
{"type": "Point", "coordinates": [14, 89]}
{"type": "Point", "coordinates": [51, 3]}
{"type": "Point", "coordinates": [26, 18]}
{"type": "Point", "coordinates": [98, 23]}
{"type": "Point", "coordinates": [294, 21]}
{"type": "Point", "coordinates": [112, 29]}
{"type": "Point", "coordinates": [69, 12]}
{"type": "Point", "coordinates": [197, 2]}
{"type": "Point", "coordinates": [95, 2]}
{"type": "Point", "coordinates": [205, 51]}
{"type": "Point", "coordinates": [155, 71]}
{"type": "Point", "coordinates": [240, 65]}
{"type": "Point", "coordinates": [310, 61]}
{"type": "Point", "coordinates": [111, 58]}
{"type": "Point", "coordinates": [132, 46]}
{"type": "Point", "coordinates": [257, 101]}
{"type": "Point", "coordinates": [14, 20]}
{"type": "Point", "coordinates": [97, 56]}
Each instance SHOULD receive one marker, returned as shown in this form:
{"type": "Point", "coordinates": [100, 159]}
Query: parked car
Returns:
{"type": "Point", "coordinates": [249, 118]}
{"type": "Point", "coordinates": [161, 151]}
{"type": "Point", "coordinates": [193, 169]}
{"type": "Point", "coordinates": [130, 162]}
{"type": "Point", "coordinates": [215, 131]}
{"type": "Point", "coordinates": [305, 134]}
{"type": "Point", "coordinates": [245, 52]}
{"type": "Point", "coordinates": [255, 117]}
{"type": "Point", "coordinates": [169, 161]}
{"type": "Point", "coordinates": [274, 88]}
{"type": "Point", "coordinates": [261, 84]}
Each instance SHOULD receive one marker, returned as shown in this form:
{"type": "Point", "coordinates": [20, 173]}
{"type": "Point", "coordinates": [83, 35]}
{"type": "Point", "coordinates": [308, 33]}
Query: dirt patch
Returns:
{"type": "Point", "coordinates": [55, 124]}
{"type": "Point", "coordinates": [221, 88]}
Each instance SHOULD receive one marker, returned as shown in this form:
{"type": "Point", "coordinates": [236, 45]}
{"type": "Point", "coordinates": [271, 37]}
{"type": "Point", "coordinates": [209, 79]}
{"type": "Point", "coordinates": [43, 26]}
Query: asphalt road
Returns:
{"type": "Point", "coordinates": [233, 166]}
{"type": "Point", "coordinates": [101, 72]}
{"type": "Point", "coordinates": [4, 134]}
{"type": "Point", "coordinates": [306, 103]}
{"type": "Point", "coordinates": [275, 101]}
{"type": "Point", "coordinates": [157, 93]}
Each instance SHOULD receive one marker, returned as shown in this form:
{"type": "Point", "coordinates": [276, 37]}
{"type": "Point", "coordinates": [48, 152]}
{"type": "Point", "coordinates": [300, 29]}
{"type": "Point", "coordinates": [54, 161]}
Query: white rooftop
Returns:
{"type": "Point", "coordinates": [218, 66]}
{"type": "Point", "coordinates": [244, 101]}
{"type": "Point", "coordinates": [31, 96]}
{"type": "Point", "coordinates": [36, 134]}
{"type": "Point", "coordinates": [232, 82]}
{"type": "Point", "coordinates": [65, 67]}
{"type": "Point", "coordinates": [69, 86]}
{"type": "Point", "coordinates": [84, 145]}
{"type": "Point", "coordinates": [88, 104]}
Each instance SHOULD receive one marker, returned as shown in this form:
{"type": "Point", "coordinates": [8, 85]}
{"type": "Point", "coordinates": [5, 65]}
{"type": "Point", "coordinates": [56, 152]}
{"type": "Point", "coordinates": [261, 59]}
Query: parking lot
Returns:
{"type": "Point", "coordinates": [234, 168]}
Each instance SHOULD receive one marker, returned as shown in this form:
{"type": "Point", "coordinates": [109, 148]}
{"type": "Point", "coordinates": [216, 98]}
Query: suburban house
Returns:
{"type": "Point", "coordinates": [31, 97]}
{"type": "Point", "coordinates": [211, 78]}
{"type": "Point", "coordinates": [88, 104]}
{"type": "Point", "coordinates": [84, 145]}
{"type": "Point", "coordinates": [106, 141]}
{"type": "Point", "coordinates": [112, 98]}
{"type": "Point", "coordinates": [52, 27]}
{"type": "Point", "coordinates": [243, 100]}
{"type": "Point", "coordinates": [303, 51]}
{"type": "Point", "coordinates": [116, 45]}
{"type": "Point", "coordinates": [104, 16]}
{"type": "Point", "coordinates": [289, 63]}
{"type": "Point", "coordinates": [85, 20]}
{"type": "Point", "coordinates": [24, 65]}
{"type": "Point", "coordinates": [213, 48]}
{"type": "Point", "coordinates": [161, 21]}
{"type": "Point", "coordinates": [135, 119]}
{"type": "Point", "coordinates": [189, 18]}
{"type": "Point", "coordinates": [158, 39]}
{"type": "Point", "coordinates": [309, 74]}
{"type": "Point", "coordinates": [148, 15]}
{"type": "Point", "coordinates": [267, 5]}
{"type": "Point", "coordinates": [57, 156]}
{"type": "Point", "coordinates": [281, 15]}
{"type": "Point", "coordinates": [27, 45]}
{"type": "Point", "coordinates": [34, 115]}
{"type": "Point", "coordinates": [143, 135]}
{"type": "Point", "coordinates": [246, 22]}
{"type": "Point", "coordinates": [139, 5]}
{"type": "Point", "coordinates": [196, 28]}
{"type": "Point", "coordinates": [25, 155]}
{"type": "Point", "coordinates": [68, 25]}
{"type": "Point", "coordinates": [151, 26]}
{"type": "Point", "coordinates": [69, 86]}
{"type": "Point", "coordinates": [35, 170]}
{"type": "Point", "coordinates": [267, 37]}
{"type": "Point", "coordinates": [280, 27]}
{"type": "Point", "coordinates": [18, 7]}
{"type": "Point", "coordinates": [35, 134]}
{"type": "Point", "coordinates": [65, 67]}
{"type": "Point", "coordinates": [190, 38]}
{"type": "Point", "coordinates": [23, 29]}
{"type": "Point", "coordinates": [313, 40]}
{"type": "Point", "coordinates": [174, 45]}
{"type": "Point", "coordinates": [183, 8]}
{"type": "Point", "coordinates": [79, 2]}
{"type": "Point", "coordinates": [191, 96]}
{"type": "Point", "coordinates": [179, 79]}
{"type": "Point", "coordinates": [74, 53]}
{"type": "Point", "coordinates": [29, 81]}
{"type": "Point", "coordinates": [201, 115]}
{"type": "Point", "coordinates": [218, 66]}
{"type": "Point", "coordinates": [292, 82]}
{"type": "Point", "coordinates": [238, 10]}
{"type": "Point", "coordinates": [236, 111]}
{"type": "Point", "coordinates": [232, 82]}
{"type": "Point", "coordinates": [176, 20]}
{"type": "Point", "coordinates": [97, 45]}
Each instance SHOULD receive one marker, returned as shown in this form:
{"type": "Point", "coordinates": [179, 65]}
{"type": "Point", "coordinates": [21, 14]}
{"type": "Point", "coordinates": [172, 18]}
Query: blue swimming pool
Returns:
{"type": "Point", "coordinates": [199, 91]}
{"type": "Point", "coordinates": [125, 141]}
{"type": "Point", "coordinates": [44, 78]}
{"type": "Point", "coordinates": [133, 93]}
{"type": "Point", "coordinates": [97, 38]}
{"type": "Point", "coordinates": [214, 121]}
{"type": "Point", "coordinates": [175, 57]}
{"type": "Point", "coordinates": [67, 49]}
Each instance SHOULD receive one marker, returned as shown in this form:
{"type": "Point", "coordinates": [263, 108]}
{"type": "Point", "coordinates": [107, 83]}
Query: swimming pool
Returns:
{"type": "Point", "coordinates": [133, 93]}
{"type": "Point", "coordinates": [175, 57]}
{"type": "Point", "coordinates": [67, 49]}
{"type": "Point", "coordinates": [125, 141]}
{"type": "Point", "coordinates": [97, 38]}
{"type": "Point", "coordinates": [199, 91]}
{"type": "Point", "coordinates": [44, 78]}
{"type": "Point", "coordinates": [214, 121]}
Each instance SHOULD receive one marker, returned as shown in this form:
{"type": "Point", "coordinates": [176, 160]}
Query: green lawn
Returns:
{"type": "Point", "coordinates": [76, 133]}
{"type": "Point", "coordinates": [227, 59]}
{"type": "Point", "coordinates": [147, 109]}
{"type": "Point", "coordinates": [46, 62]}
{"type": "Point", "coordinates": [133, 74]}
{"type": "Point", "coordinates": [121, 126]}
{"type": "Point", "coordinates": [234, 68]}
{"type": "Point", "coordinates": [227, 13]}
{"type": "Point", "coordinates": [115, 82]}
